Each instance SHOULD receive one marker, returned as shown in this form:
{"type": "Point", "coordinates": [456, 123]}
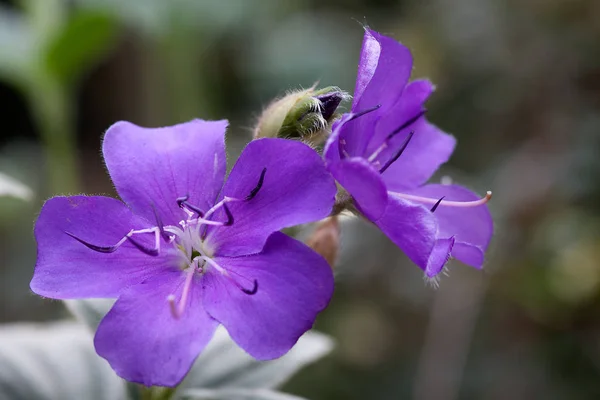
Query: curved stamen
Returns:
{"type": "Point", "coordinates": [441, 202]}
{"type": "Point", "coordinates": [256, 189]}
{"type": "Point", "coordinates": [229, 221]}
{"type": "Point", "coordinates": [99, 249]}
{"type": "Point", "coordinates": [183, 203]}
{"type": "Point", "coordinates": [227, 275]}
{"type": "Point", "coordinates": [151, 252]}
{"type": "Point", "coordinates": [178, 309]}
{"type": "Point", "coordinates": [405, 125]}
{"type": "Point", "coordinates": [109, 249]}
{"type": "Point", "coordinates": [398, 153]}
{"type": "Point", "coordinates": [160, 225]}
{"type": "Point", "coordinates": [254, 288]}
{"type": "Point", "coordinates": [220, 204]}
{"type": "Point", "coordinates": [181, 200]}
{"type": "Point", "coordinates": [389, 137]}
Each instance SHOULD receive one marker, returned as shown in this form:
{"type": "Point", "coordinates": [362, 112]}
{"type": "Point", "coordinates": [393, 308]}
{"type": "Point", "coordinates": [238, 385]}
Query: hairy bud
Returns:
{"type": "Point", "coordinates": [304, 114]}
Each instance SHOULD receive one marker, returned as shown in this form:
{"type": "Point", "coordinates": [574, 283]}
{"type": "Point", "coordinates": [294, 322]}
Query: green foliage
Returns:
{"type": "Point", "coordinates": [83, 40]}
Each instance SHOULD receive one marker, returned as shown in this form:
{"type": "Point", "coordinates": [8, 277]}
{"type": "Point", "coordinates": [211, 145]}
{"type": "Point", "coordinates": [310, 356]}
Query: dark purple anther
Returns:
{"type": "Point", "coordinates": [160, 225]}
{"type": "Point", "coordinates": [436, 205]}
{"type": "Point", "coordinates": [254, 289]}
{"type": "Point", "coordinates": [261, 180]}
{"type": "Point", "coordinates": [398, 153]}
{"type": "Point", "coordinates": [99, 249]}
{"type": "Point", "coordinates": [361, 113]}
{"type": "Point", "coordinates": [229, 221]}
{"type": "Point", "coordinates": [405, 125]}
{"type": "Point", "coordinates": [182, 200]}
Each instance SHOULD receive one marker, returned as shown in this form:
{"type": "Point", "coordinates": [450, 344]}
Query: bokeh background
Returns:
{"type": "Point", "coordinates": [518, 83]}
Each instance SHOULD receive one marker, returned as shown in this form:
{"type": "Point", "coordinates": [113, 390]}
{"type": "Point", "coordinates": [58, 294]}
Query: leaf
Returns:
{"type": "Point", "coordinates": [89, 311]}
{"type": "Point", "coordinates": [237, 394]}
{"type": "Point", "coordinates": [224, 365]}
{"type": "Point", "coordinates": [54, 362]}
{"type": "Point", "coordinates": [85, 38]}
{"type": "Point", "coordinates": [13, 188]}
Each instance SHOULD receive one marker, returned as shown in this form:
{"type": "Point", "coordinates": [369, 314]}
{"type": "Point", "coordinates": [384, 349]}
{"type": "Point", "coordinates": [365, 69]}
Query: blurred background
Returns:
{"type": "Point", "coordinates": [518, 83]}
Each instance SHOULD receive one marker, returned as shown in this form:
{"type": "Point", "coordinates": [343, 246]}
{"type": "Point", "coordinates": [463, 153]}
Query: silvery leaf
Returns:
{"type": "Point", "coordinates": [237, 394]}
{"type": "Point", "coordinates": [13, 188]}
{"type": "Point", "coordinates": [54, 362]}
{"type": "Point", "coordinates": [89, 311]}
{"type": "Point", "coordinates": [224, 365]}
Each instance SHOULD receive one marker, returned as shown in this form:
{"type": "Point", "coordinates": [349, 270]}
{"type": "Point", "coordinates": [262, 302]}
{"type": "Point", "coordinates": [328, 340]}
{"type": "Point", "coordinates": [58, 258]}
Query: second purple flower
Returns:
{"type": "Point", "coordinates": [384, 151]}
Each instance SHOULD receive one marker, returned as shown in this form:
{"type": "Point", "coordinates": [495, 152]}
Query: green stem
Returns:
{"type": "Point", "coordinates": [157, 393]}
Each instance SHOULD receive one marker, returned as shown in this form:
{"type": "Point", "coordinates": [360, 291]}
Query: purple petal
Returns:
{"type": "Point", "coordinates": [294, 285]}
{"type": "Point", "coordinates": [364, 183]}
{"type": "Point", "coordinates": [472, 227]}
{"type": "Point", "coordinates": [331, 152]}
{"type": "Point", "coordinates": [439, 256]}
{"type": "Point", "coordinates": [155, 166]}
{"type": "Point", "coordinates": [383, 71]}
{"type": "Point", "coordinates": [411, 227]}
{"type": "Point", "coordinates": [141, 339]}
{"type": "Point", "coordinates": [428, 149]}
{"type": "Point", "coordinates": [296, 189]}
{"type": "Point", "coordinates": [67, 269]}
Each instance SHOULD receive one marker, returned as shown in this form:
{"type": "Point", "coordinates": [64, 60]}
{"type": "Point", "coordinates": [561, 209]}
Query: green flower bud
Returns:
{"type": "Point", "coordinates": [305, 114]}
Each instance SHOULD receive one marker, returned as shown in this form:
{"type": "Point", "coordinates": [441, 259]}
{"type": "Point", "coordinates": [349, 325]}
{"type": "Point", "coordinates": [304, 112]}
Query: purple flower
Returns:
{"type": "Point", "coordinates": [384, 150]}
{"type": "Point", "coordinates": [185, 253]}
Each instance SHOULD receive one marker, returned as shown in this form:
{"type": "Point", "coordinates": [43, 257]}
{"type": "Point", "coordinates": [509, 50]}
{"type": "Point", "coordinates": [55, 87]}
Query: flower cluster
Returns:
{"type": "Point", "coordinates": [185, 250]}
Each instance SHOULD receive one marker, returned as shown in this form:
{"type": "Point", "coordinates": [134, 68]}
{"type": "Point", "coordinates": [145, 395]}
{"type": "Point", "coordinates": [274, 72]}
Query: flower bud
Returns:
{"type": "Point", "coordinates": [304, 114]}
{"type": "Point", "coordinates": [325, 240]}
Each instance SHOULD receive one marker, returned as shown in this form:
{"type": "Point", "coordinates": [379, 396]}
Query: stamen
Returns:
{"type": "Point", "coordinates": [261, 180]}
{"type": "Point", "coordinates": [361, 113]}
{"type": "Point", "coordinates": [151, 252]}
{"type": "Point", "coordinates": [109, 249]}
{"type": "Point", "coordinates": [178, 309]}
{"type": "Point", "coordinates": [226, 274]}
{"type": "Point", "coordinates": [181, 200]}
{"type": "Point", "coordinates": [229, 221]}
{"type": "Point", "coordinates": [398, 153]}
{"type": "Point", "coordinates": [99, 249]}
{"type": "Point", "coordinates": [449, 203]}
{"type": "Point", "coordinates": [405, 125]}
{"type": "Point", "coordinates": [220, 204]}
{"type": "Point", "coordinates": [160, 225]}
{"type": "Point", "coordinates": [183, 203]}
{"type": "Point", "coordinates": [390, 136]}
{"type": "Point", "coordinates": [254, 289]}
{"type": "Point", "coordinates": [436, 205]}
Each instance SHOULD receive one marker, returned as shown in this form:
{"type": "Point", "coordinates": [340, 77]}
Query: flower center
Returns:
{"type": "Point", "coordinates": [188, 238]}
